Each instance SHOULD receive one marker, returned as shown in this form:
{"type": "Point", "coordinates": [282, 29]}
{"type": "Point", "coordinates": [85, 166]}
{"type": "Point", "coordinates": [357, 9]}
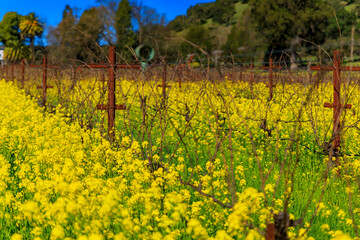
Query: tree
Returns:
{"type": "Point", "coordinates": [199, 13]}
{"type": "Point", "coordinates": [199, 36]}
{"type": "Point", "coordinates": [107, 14]}
{"type": "Point", "coordinates": [9, 28]}
{"type": "Point", "coordinates": [243, 40]}
{"type": "Point", "coordinates": [16, 51]}
{"type": "Point", "coordinates": [31, 27]}
{"type": "Point", "coordinates": [344, 21]}
{"type": "Point", "coordinates": [223, 11]}
{"type": "Point", "coordinates": [124, 30]}
{"type": "Point", "coordinates": [179, 23]}
{"type": "Point", "coordinates": [146, 17]}
{"type": "Point", "coordinates": [66, 25]}
{"type": "Point", "coordinates": [62, 37]}
{"type": "Point", "coordinates": [88, 35]}
{"type": "Point", "coordinates": [10, 36]}
{"type": "Point", "coordinates": [283, 22]}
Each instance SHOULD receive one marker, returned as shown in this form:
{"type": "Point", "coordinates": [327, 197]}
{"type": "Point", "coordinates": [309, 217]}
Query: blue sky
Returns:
{"type": "Point", "coordinates": [50, 11]}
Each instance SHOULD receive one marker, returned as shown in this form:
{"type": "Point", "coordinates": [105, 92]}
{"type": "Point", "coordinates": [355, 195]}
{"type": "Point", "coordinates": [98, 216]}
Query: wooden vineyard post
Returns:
{"type": "Point", "coordinates": [44, 86]}
{"type": "Point", "coordinates": [12, 72]}
{"type": "Point", "coordinates": [188, 63]}
{"type": "Point", "coordinates": [22, 73]}
{"type": "Point", "coordinates": [2, 72]}
{"type": "Point", "coordinates": [111, 96]}
{"type": "Point", "coordinates": [271, 83]}
{"type": "Point", "coordinates": [241, 73]}
{"type": "Point", "coordinates": [270, 231]}
{"type": "Point", "coordinates": [5, 72]}
{"type": "Point", "coordinates": [44, 80]}
{"type": "Point", "coordinates": [8, 73]}
{"type": "Point", "coordinates": [180, 75]}
{"type": "Point", "coordinates": [336, 105]}
{"type": "Point", "coordinates": [164, 80]}
{"type": "Point", "coordinates": [111, 106]}
{"type": "Point", "coordinates": [252, 78]}
{"type": "Point", "coordinates": [309, 73]}
{"type": "Point", "coordinates": [163, 84]}
{"type": "Point", "coordinates": [73, 73]}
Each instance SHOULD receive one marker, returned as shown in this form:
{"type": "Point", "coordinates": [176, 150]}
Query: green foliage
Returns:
{"type": "Point", "coordinates": [179, 23]}
{"type": "Point", "coordinates": [11, 37]}
{"type": "Point", "coordinates": [89, 28]}
{"type": "Point", "coordinates": [235, 39]}
{"type": "Point", "coordinates": [77, 39]}
{"type": "Point", "coordinates": [243, 40]}
{"type": "Point", "coordinates": [223, 11]}
{"type": "Point", "coordinates": [343, 21]}
{"type": "Point", "coordinates": [89, 25]}
{"type": "Point", "coordinates": [282, 21]}
{"type": "Point", "coordinates": [124, 30]}
{"type": "Point", "coordinates": [9, 28]}
{"type": "Point", "coordinates": [16, 50]}
{"type": "Point", "coordinates": [65, 27]}
{"type": "Point", "coordinates": [200, 12]}
{"type": "Point", "coordinates": [201, 37]}
{"type": "Point", "coordinates": [220, 11]}
{"type": "Point", "coordinates": [31, 27]}
{"type": "Point", "coordinates": [62, 37]}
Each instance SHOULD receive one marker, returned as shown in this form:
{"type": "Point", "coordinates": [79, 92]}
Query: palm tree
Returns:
{"type": "Point", "coordinates": [30, 27]}
{"type": "Point", "coordinates": [15, 51]}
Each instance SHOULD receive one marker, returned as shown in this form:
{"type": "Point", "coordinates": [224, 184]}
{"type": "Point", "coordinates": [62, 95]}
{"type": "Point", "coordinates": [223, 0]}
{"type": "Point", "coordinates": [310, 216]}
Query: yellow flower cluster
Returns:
{"type": "Point", "coordinates": [61, 179]}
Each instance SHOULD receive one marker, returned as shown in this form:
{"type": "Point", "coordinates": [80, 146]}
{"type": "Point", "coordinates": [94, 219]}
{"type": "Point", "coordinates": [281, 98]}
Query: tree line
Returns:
{"type": "Point", "coordinates": [244, 29]}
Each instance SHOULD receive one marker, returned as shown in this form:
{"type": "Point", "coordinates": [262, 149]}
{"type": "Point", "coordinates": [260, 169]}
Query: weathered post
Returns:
{"type": "Point", "coordinates": [252, 78]}
{"type": "Point", "coordinates": [6, 73]}
{"type": "Point", "coordinates": [111, 106]}
{"type": "Point", "coordinates": [44, 86]}
{"type": "Point", "coordinates": [22, 73]}
{"type": "Point", "coordinates": [271, 79]}
{"type": "Point", "coordinates": [12, 72]}
{"type": "Point", "coordinates": [271, 84]}
{"type": "Point", "coordinates": [164, 79]}
{"type": "Point", "coordinates": [180, 75]}
{"type": "Point", "coordinates": [163, 83]}
{"type": "Point", "coordinates": [44, 80]}
{"type": "Point", "coordinates": [241, 72]}
{"type": "Point", "coordinates": [336, 105]}
{"type": "Point", "coordinates": [111, 92]}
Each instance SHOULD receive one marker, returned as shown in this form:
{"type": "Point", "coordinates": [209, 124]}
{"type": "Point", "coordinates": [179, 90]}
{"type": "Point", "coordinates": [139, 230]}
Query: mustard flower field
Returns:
{"type": "Point", "coordinates": [204, 161]}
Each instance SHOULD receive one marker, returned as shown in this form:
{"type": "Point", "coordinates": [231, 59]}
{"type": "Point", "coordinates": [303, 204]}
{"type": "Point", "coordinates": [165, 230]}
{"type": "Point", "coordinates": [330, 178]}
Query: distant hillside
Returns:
{"type": "Point", "coordinates": [218, 17]}
{"type": "Point", "coordinates": [231, 26]}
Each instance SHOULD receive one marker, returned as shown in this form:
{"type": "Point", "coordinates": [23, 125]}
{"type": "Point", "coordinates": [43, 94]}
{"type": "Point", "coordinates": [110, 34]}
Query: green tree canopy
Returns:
{"type": "Point", "coordinates": [88, 35]}
{"type": "Point", "coordinates": [201, 37]}
{"type": "Point", "coordinates": [243, 41]}
{"type": "Point", "coordinates": [62, 37]}
{"type": "Point", "coordinates": [282, 21]}
{"type": "Point", "coordinates": [16, 50]}
{"type": "Point", "coordinates": [198, 13]}
{"type": "Point", "coordinates": [343, 20]}
{"type": "Point", "coordinates": [11, 37]}
{"type": "Point", "coordinates": [223, 11]}
{"type": "Point", "coordinates": [125, 36]}
{"type": "Point", "coordinates": [31, 27]}
{"type": "Point", "coordinates": [9, 28]}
